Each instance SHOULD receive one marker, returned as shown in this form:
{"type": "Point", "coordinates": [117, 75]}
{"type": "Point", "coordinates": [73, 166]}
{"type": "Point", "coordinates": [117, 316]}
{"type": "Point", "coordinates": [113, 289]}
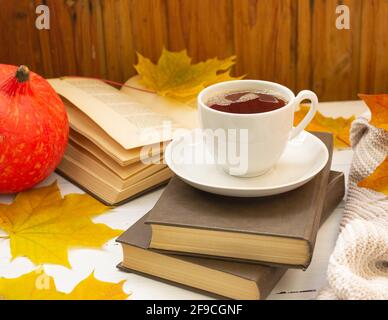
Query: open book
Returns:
{"type": "Point", "coordinates": [109, 130]}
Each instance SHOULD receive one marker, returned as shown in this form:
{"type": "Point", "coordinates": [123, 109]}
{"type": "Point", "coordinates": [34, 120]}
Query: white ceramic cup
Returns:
{"type": "Point", "coordinates": [267, 133]}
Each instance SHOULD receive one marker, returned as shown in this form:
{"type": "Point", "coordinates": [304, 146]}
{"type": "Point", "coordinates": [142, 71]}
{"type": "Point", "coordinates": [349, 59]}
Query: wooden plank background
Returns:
{"type": "Point", "coordinates": [294, 42]}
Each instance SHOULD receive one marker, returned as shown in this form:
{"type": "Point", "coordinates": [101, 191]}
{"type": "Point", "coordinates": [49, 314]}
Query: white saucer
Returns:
{"type": "Point", "coordinates": [305, 156]}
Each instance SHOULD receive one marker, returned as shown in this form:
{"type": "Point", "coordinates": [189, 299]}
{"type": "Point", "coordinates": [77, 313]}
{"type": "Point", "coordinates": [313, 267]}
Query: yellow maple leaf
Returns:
{"type": "Point", "coordinates": [339, 127]}
{"type": "Point", "coordinates": [37, 285]}
{"type": "Point", "coordinates": [92, 289]}
{"type": "Point", "coordinates": [378, 180]}
{"type": "Point", "coordinates": [174, 76]}
{"type": "Point", "coordinates": [42, 226]}
{"type": "Point", "coordinates": [378, 105]}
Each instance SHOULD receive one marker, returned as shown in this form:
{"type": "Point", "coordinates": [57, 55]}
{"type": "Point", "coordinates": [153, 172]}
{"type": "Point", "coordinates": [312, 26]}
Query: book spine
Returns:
{"type": "Point", "coordinates": [334, 195]}
{"type": "Point", "coordinates": [319, 207]}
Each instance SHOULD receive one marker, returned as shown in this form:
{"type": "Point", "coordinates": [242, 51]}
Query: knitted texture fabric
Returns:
{"type": "Point", "coordinates": [358, 266]}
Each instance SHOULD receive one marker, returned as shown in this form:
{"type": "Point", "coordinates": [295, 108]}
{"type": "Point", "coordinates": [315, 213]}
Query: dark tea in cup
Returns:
{"type": "Point", "coordinates": [245, 128]}
{"type": "Point", "coordinates": [246, 102]}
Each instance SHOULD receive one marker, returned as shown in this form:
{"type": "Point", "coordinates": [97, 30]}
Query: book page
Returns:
{"type": "Point", "coordinates": [116, 113]}
{"type": "Point", "coordinates": [87, 132]}
{"type": "Point", "coordinates": [184, 114]}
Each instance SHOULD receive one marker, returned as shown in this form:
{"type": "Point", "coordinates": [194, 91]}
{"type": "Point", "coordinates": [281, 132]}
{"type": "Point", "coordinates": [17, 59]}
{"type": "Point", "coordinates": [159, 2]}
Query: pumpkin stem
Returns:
{"type": "Point", "coordinates": [23, 74]}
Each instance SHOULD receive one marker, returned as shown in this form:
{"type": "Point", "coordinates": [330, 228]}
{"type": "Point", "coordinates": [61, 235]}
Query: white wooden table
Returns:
{"type": "Point", "coordinates": [295, 284]}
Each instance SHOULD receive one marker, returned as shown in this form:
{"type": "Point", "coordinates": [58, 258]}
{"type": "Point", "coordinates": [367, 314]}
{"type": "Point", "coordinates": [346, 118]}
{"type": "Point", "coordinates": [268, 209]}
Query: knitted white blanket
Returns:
{"type": "Point", "coordinates": [358, 267]}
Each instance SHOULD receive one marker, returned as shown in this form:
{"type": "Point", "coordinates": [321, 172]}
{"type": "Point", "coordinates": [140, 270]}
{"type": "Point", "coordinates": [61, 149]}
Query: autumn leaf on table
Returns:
{"type": "Point", "coordinates": [339, 127]}
{"type": "Point", "coordinates": [37, 285]}
{"type": "Point", "coordinates": [42, 226]}
{"type": "Point", "coordinates": [378, 180]}
{"type": "Point", "coordinates": [378, 105]}
{"type": "Point", "coordinates": [174, 76]}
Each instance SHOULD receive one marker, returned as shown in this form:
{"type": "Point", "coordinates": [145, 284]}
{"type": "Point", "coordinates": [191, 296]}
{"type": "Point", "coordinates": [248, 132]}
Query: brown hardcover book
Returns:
{"type": "Point", "coordinates": [230, 279]}
{"type": "Point", "coordinates": [278, 230]}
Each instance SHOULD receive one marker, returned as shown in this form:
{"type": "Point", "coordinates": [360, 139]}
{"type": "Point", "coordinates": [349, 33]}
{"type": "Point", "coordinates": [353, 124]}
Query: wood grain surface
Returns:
{"type": "Point", "coordinates": [293, 42]}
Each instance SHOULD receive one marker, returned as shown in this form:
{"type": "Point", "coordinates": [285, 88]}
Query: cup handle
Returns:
{"type": "Point", "coordinates": [305, 95]}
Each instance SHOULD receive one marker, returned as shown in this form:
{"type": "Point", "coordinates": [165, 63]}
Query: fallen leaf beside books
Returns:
{"type": "Point", "coordinates": [41, 225]}
{"type": "Point", "coordinates": [37, 285]}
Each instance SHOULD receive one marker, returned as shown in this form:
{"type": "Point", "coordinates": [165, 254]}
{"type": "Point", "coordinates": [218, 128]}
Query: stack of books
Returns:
{"type": "Point", "coordinates": [231, 247]}
{"type": "Point", "coordinates": [117, 139]}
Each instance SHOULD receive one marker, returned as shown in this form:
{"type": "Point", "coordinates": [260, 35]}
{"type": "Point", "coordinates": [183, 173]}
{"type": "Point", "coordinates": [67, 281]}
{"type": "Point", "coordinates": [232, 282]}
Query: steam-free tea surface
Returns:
{"type": "Point", "coordinates": [246, 102]}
